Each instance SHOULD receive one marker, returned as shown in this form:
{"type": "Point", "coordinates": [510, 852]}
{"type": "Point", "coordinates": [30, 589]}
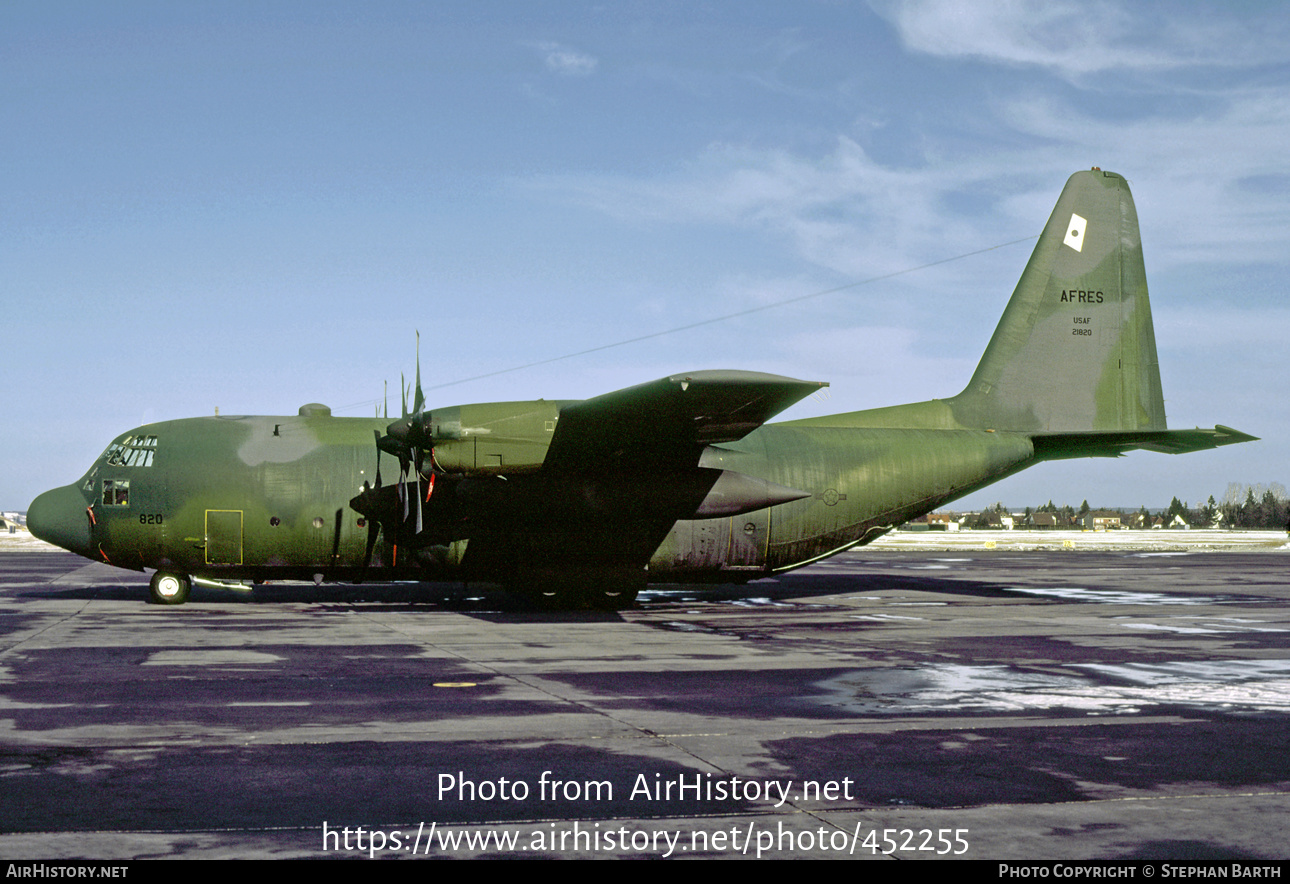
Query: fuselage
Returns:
{"type": "Point", "coordinates": [253, 497]}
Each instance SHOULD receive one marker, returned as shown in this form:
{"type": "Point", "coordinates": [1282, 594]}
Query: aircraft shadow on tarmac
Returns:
{"type": "Point", "coordinates": [485, 599]}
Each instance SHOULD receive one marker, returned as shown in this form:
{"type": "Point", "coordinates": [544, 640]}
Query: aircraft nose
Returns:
{"type": "Point", "coordinates": [59, 517]}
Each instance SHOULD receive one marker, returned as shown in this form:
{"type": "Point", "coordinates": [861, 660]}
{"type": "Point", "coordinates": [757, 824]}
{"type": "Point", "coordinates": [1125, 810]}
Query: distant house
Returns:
{"type": "Point", "coordinates": [1102, 520]}
{"type": "Point", "coordinates": [994, 519]}
{"type": "Point", "coordinates": [1044, 521]}
{"type": "Point", "coordinates": [943, 522]}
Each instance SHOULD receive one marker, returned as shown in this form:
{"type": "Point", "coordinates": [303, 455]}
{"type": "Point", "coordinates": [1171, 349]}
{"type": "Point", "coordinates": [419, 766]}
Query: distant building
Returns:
{"type": "Point", "coordinates": [993, 519]}
{"type": "Point", "coordinates": [1102, 520]}
{"type": "Point", "coordinates": [943, 521]}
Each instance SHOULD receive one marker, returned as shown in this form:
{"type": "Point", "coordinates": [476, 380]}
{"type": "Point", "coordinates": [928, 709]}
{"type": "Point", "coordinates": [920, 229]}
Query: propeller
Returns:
{"type": "Point", "coordinates": [410, 439]}
{"type": "Point", "coordinates": [365, 504]}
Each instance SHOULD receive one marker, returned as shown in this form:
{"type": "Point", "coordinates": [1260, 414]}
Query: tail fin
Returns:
{"type": "Point", "coordinates": [1075, 351]}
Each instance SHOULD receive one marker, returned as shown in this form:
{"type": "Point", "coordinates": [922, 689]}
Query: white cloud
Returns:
{"type": "Point", "coordinates": [1215, 181]}
{"type": "Point", "coordinates": [1078, 39]}
{"type": "Point", "coordinates": [566, 62]}
{"type": "Point", "coordinates": [1212, 186]}
{"type": "Point", "coordinates": [1198, 330]}
{"type": "Point", "coordinates": [872, 366]}
{"type": "Point", "coordinates": [841, 210]}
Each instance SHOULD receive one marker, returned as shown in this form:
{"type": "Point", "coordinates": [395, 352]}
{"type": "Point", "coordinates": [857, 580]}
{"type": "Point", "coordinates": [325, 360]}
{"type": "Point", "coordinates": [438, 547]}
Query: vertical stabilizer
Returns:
{"type": "Point", "coordinates": [1075, 351]}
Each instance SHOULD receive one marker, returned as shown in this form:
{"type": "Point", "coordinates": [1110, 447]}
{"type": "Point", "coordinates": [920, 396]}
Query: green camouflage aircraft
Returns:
{"type": "Point", "coordinates": [585, 502]}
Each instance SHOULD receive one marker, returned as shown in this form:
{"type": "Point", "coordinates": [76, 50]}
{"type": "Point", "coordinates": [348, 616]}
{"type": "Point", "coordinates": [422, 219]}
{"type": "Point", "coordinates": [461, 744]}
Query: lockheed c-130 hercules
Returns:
{"type": "Point", "coordinates": [677, 480]}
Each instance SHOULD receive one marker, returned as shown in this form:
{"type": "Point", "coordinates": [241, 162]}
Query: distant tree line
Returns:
{"type": "Point", "coordinates": [1242, 506]}
{"type": "Point", "coordinates": [1245, 506]}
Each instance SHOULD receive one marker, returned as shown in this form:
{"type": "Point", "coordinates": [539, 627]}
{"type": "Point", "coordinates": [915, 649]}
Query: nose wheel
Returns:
{"type": "Point", "coordinates": [169, 589]}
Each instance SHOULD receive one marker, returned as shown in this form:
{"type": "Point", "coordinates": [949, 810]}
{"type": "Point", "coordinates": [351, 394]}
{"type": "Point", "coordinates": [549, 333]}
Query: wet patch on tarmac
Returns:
{"type": "Point", "coordinates": [1120, 597]}
{"type": "Point", "coordinates": [1019, 765]}
{"type": "Point", "coordinates": [712, 692]}
{"type": "Point", "coordinates": [697, 628]}
{"type": "Point", "coordinates": [186, 788]}
{"type": "Point", "coordinates": [228, 691]}
{"type": "Point", "coordinates": [1228, 686]}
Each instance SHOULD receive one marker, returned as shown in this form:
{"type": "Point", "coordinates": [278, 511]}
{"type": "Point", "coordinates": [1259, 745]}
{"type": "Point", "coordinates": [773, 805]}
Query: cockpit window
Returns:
{"type": "Point", "coordinates": [116, 492]}
{"type": "Point", "coordinates": [132, 451]}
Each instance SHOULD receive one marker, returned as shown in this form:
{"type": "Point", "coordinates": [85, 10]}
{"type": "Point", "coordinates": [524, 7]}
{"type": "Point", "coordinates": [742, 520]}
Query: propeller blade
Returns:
{"type": "Point", "coordinates": [373, 533]}
{"type": "Point", "coordinates": [403, 488]}
{"type": "Point", "coordinates": [419, 399]}
{"type": "Point", "coordinates": [420, 526]}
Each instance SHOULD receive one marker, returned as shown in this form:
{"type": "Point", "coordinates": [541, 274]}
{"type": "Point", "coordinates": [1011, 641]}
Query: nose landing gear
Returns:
{"type": "Point", "coordinates": [169, 589]}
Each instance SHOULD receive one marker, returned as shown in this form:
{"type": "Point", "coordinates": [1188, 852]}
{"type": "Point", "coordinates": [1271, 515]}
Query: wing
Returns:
{"type": "Point", "coordinates": [623, 468]}
{"type": "Point", "coordinates": [666, 423]}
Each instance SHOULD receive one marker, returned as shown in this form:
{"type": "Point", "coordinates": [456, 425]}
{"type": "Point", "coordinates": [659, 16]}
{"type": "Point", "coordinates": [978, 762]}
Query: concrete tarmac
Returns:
{"type": "Point", "coordinates": [988, 704]}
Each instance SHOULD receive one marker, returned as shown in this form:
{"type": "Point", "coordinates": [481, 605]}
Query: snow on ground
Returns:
{"type": "Point", "coordinates": [23, 540]}
{"type": "Point", "coordinates": [1161, 542]}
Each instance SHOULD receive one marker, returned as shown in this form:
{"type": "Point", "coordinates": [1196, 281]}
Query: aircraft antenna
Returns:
{"type": "Point", "coordinates": [714, 320]}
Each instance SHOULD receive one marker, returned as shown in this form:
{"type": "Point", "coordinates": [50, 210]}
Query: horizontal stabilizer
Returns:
{"type": "Point", "coordinates": [668, 421]}
{"type": "Point", "coordinates": [1054, 446]}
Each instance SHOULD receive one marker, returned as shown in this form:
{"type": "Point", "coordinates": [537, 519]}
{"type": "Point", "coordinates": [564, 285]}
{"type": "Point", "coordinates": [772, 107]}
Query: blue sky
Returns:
{"type": "Point", "coordinates": [254, 205]}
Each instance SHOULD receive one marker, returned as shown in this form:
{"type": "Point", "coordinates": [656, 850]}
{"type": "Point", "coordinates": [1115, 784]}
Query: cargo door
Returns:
{"type": "Point", "coordinates": [223, 537]}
